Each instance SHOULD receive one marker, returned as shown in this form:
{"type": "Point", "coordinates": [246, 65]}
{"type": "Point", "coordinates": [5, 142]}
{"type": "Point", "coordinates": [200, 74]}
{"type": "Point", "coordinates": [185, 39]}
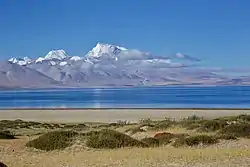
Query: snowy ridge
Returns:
{"type": "Point", "coordinates": [56, 54]}
{"type": "Point", "coordinates": [40, 60]}
{"type": "Point", "coordinates": [21, 61]}
{"type": "Point", "coordinates": [101, 49]}
{"type": "Point", "coordinates": [111, 65]}
{"type": "Point", "coordinates": [75, 58]}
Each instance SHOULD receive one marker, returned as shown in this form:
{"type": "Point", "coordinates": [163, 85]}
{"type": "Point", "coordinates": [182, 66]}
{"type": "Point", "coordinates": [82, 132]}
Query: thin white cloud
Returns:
{"type": "Point", "coordinates": [185, 57]}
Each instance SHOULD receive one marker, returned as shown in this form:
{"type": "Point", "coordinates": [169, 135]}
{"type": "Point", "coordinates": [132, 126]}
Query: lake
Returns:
{"type": "Point", "coordinates": [140, 97]}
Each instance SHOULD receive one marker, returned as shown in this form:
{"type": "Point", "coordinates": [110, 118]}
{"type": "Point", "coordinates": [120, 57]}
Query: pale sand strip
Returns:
{"type": "Point", "coordinates": [112, 115]}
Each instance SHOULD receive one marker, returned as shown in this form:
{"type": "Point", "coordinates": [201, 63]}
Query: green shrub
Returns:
{"type": "Point", "coordinates": [200, 139]}
{"type": "Point", "coordinates": [195, 140]}
{"type": "Point", "coordinates": [6, 135]}
{"type": "Point", "coordinates": [244, 117]}
{"type": "Point", "coordinates": [53, 140]}
{"type": "Point", "coordinates": [147, 121]}
{"type": "Point", "coordinates": [150, 141]}
{"type": "Point", "coordinates": [239, 130]}
{"type": "Point", "coordinates": [73, 126]}
{"type": "Point", "coordinates": [193, 126]}
{"type": "Point", "coordinates": [162, 125]}
{"type": "Point", "coordinates": [239, 118]}
{"type": "Point", "coordinates": [16, 124]}
{"type": "Point", "coordinates": [213, 125]}
{"type": "Point", "coordinates": [194, 118]}
{"type": "Point", "coordinates": [180, 141]}
{"type": "Point", "coordinates": [90, 133]}
{"type": "Point", "coordinates": [112, 139]}
{"type": "Point", "coordinates": [119, 123]}
{"type": "Point", "coordinates": [227, 137]}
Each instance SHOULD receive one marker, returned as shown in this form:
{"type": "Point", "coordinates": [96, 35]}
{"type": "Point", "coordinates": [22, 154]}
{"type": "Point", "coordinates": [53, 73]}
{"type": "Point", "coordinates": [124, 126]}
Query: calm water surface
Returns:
{"type": "Point", "coordinates": [157, 97]}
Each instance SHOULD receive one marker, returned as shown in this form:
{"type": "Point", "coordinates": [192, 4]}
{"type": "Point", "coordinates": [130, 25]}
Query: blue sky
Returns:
{"type": "Point", "coordinates": [216, 31]}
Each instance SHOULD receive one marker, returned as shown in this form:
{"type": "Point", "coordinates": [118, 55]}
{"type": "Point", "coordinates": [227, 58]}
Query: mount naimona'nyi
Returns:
{"type": "Point", "coordinates": [109, 65]}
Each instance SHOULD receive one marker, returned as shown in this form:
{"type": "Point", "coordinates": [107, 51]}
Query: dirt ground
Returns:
{"type": "Point", "coordinates": [14, 153]}
{"type": "Point", "coordinates": [225, 154]}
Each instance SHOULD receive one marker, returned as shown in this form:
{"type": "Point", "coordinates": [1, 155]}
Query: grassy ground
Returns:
{"type": "Point", "coordinates": [199, 143]}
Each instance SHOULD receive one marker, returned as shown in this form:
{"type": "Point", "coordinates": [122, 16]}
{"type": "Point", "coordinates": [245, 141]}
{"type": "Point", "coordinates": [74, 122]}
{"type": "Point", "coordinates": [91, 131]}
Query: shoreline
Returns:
{"type": "Point", "coordinates": [67, 115]}
{"type": "Point", "coordinates": [123, 108]}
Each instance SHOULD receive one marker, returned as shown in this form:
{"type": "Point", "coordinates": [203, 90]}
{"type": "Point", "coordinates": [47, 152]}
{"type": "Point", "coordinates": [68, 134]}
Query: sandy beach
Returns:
{"type": "Point", "coordinates": [112, 115]}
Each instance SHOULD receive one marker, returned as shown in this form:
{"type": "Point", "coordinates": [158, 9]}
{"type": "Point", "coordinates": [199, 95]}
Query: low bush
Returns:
{"type": "Point", "coordinates": [74, 126]}
{"type": "Point", "coordinates": [150, 141]}
{"type": "Point", "coordinates": [146, 121]}
{"type": "Point", "coordinates": [227, 137]}
{"type": "Point", "coordinates": [239, 130]}
{"type": "Point", "coordinates": [200, 139]}
{"type": "Point", "coordinates": [239, 118]}
{"type": "Point", "coordinates": [162, 125]}
{"type": "Point", "coordinates": [6, 135]}
{"type": "Point", "coordinates": [164, 138]}
{"type": "Point", "coordinates": [90, 133]}
{"type": "Point", "coordinates": [194, 118]}
{"type": "Point", "coordinates": [195, 140]}
{"type": "Point", "coordinates": [244, 117]}
{"type": "Point", "coordinates": [112, 139]}
{"type": "Point", "coordinates": [193, 126]}
{"type": "Point", "coordinates": [53, 140]}
{"type": "Point", "coordinates": [212, 125]}
{"type": "Point", "coordinates": [16, 124]}
{"type": "Point", "coordinates": [180, 141]}
{"type": "Point", "coordinates": [119, 123]}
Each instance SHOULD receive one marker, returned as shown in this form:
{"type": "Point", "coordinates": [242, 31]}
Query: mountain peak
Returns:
{"type": "Point", "coordinates": [104, 45]}
{"type": "Point", "coordinates": [56, 54]}
{"type": "Point", "coordinates": [53, 55]}
{"type": "Point", "coordinates": [102, 48]}
{"type": "Point", "coordinates": [21, 61]}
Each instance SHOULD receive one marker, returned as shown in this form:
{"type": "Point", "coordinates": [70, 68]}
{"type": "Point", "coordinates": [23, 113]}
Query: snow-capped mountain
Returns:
{"type": "Point", "coordinates": [105, 49]}
{"type": "Point", "coordinates": [107, 52]}
{"type": "Point", "coordinates": [108, 65]}
{"type": "Point", "coordinates": [15, 75]}
{"type": "Point", "coordinates": [21, 61]}
{"type": "Point", "coordinates": [75, 58]}
{"type": "Point", "coordinates": [54, 55]}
